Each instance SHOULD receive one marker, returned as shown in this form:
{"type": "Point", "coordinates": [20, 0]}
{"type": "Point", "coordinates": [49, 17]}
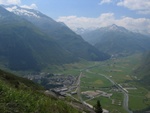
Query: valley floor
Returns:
{"type": "Point", "coordinates": [112, 82]}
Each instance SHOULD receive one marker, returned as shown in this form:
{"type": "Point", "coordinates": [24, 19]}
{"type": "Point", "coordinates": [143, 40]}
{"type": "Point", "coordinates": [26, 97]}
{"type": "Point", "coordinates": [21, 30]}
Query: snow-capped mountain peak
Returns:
{"type": "Point", "coordinates": [111, 28]}
{"type": "Point", "coordinates": [22, 11]}
{"type": "Point", "coordinates": [114, 27]}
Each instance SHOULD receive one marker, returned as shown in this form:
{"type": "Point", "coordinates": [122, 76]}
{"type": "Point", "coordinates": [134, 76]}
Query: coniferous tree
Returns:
{"type": "Point", "coordinates": [98, 108]}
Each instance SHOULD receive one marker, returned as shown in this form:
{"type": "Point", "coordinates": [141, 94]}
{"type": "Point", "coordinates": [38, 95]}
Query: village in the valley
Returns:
{"type": "Point", "coordinates": [64, 84]}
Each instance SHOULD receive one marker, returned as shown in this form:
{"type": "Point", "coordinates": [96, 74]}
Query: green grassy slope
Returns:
{"type": "Point", "coordinates": [143, 72]}
{"type": "Point", "coordinates": [17, 82]}
{"type": "Point", "coordinates": [18, 95]}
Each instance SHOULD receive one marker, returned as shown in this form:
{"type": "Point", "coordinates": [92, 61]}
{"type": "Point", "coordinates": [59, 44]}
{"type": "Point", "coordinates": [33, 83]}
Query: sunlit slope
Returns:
{"type": "Point", "coordinates": [19, 95]}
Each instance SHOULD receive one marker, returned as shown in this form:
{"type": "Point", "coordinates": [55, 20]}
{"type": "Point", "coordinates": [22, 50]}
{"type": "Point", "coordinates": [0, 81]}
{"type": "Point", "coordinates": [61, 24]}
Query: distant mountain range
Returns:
{"type": "Point", "coordinates": [117, 40]}
{"type": "Point", "coordinates": [30, 40]}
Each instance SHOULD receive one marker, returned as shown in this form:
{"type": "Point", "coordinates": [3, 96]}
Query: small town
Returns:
{"type": "Point", "coordinates": [60, 84]}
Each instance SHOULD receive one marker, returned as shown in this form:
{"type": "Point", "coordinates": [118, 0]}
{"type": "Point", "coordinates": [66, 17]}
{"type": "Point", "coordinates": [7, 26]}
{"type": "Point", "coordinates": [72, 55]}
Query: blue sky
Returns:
{"type": "Point", "coordinates": [132, 14]}
{"type": "Point", "coordinates": [86, 8]}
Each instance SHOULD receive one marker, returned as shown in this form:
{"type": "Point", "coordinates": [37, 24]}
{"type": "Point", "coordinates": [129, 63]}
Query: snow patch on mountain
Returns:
{"type": "Point", "coordinates": [114, 27]}
{"type": "Point", "coordinates": [21, 11]}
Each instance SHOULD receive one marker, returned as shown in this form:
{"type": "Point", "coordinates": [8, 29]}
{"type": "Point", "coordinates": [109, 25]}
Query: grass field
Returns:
{"type": "Point", "coordinates": [94, 81]}
{"type": "Point", "coordinates": [139, 98]}
{"type": "Point", "coordinates": [120, 69]}
{"type": "Point", "coordinates": [113, 108]}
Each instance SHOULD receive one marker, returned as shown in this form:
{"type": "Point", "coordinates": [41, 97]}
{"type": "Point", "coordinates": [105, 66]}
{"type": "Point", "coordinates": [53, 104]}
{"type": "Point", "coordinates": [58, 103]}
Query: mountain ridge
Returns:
{"type": "Point", "coordinates": [64, 36]}
{"type": "Point", "coordinates": [26, 46]}
{"type": "Point", "coordinates": [117, 40]}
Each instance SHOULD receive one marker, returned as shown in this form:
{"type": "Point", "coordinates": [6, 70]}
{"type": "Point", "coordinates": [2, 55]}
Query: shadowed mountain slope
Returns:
{"type": "Point", "coordinates": [24, 47]}
{"type": "Point", "coordinates": [61, 33]}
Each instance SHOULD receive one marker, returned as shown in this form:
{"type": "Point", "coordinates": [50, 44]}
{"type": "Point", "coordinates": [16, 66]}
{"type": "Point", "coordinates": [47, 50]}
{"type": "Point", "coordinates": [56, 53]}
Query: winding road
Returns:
{"type": "Point", "coordinates": [126, 96]}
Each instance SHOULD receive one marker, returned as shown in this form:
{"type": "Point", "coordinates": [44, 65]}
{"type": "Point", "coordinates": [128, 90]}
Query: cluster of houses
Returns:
{"type": "Point", "coordinates": [60, 84]}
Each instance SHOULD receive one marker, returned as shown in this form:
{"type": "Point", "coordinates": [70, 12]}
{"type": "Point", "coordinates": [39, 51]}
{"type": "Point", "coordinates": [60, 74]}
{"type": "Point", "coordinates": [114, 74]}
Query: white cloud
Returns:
{"type": "Point", "coordinates": [32, 6]}
{"type": "Point", "coordinates": [105, 1]}
{"type": "Point", "coordinates": [17, 2]}
{"type": "Point", "coordinates": [141, 25]}
{"type": "Point", "coordinates": [6, 2]}
{"type": "Point", "coordinates": [75, 22]}
{"type": "Point", "coordinates": [142, 6]}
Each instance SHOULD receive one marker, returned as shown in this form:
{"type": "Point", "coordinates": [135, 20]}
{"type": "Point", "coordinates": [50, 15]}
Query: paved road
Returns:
{"type": "Point", "coordinates": [78, 88]}
{"type": "Point", "coordinates": [90, 108]}
{"type": "Point", "coordinates": [125, 103]}
{"type": "Point", "coordinates": [126, 96]}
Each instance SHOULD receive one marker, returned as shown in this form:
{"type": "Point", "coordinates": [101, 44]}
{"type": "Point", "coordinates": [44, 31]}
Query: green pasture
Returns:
{"type": "Point", "coordinates": [139, 98]}
{"type": "Point", "coordinates": [94, 81]}
{"type": "Point", "coordinates": [119, 69]}
{"type": "Point", "coordinates": [107, 104]}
